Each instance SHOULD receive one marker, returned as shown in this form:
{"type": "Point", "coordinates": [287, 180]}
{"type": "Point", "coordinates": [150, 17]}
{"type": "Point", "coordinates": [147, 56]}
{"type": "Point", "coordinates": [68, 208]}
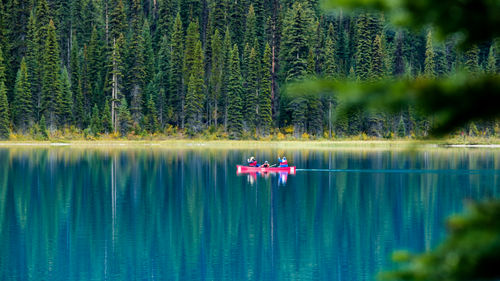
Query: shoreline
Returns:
{"type": "Point", "coordinates": [242, 144]}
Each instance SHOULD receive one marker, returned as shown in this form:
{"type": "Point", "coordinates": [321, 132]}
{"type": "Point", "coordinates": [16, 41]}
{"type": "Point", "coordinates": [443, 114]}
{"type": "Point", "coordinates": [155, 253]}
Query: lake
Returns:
{"type": "Point", "coordinates": [154, 213]}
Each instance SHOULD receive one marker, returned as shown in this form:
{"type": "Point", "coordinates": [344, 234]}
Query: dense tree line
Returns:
{"type": "Point", "coordinates": [121, 66]}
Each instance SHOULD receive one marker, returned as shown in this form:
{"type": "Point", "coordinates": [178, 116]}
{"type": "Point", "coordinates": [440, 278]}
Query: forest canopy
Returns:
{"type": "Point", "coordinates": [147, 67]}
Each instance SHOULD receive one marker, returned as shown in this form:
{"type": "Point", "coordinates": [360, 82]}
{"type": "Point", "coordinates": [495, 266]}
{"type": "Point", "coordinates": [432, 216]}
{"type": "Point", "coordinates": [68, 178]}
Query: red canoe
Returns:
{"type": "Point", "coordinates": [248, 169]}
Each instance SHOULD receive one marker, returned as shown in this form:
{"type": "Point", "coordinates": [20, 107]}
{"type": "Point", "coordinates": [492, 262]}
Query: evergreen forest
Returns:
{"type": "Point", "coordinates": [211, 67]}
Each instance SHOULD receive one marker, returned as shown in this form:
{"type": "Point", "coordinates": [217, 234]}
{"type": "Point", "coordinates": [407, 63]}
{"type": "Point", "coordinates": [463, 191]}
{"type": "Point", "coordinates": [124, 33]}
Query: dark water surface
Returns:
{"type": "Point", "coordinates": [165, 214]}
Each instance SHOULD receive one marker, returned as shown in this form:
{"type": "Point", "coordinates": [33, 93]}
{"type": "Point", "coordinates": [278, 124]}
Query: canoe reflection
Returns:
{"type": "Point", "coordinates": [252, 176]}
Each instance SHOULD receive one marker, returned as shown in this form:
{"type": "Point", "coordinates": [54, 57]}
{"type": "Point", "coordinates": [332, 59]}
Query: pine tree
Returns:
{"type": "Point", "coordinates": [235, 116]}
{"type": "Point", "coordinates": [341, 123]}
{"type": "Point", "coordinates": [251, 28]}
{"type": "Point", "coordinates": [401, 128]}
{"type": "Point", "coordinates": [43, 128]}
{"type": "Point", "coordinates": [4, 112]}
{"type": "Point", "coordinates": [149, 57]}
{"type": "Point", "coordinates": [163, 98]}
{"type": "Point", "coordinates": [15, 17]}
{"type": "Point", "coordinates": [364, 47]}
{"type": "Point", "coordinates": [124, 118]}
{"type": "Point", "coordinates": [298, 107]}
{"type": "Point", "coordinates": [74, 69]}
{"type": "Point", "coordinates": [430, 67]}
{"type": "Point", "coordinates": [249, 103]}
{"type": "Point", "coordinates": [264, 110]}
{"type": "Point", "coordinates": [226, 72]}
{"type": "Point", "coordinates": [218, 15]}
{"type": "Point", "coordinates": [115, 65]}
{"type": "Point", "coordinates": [78, 108]}
{"type": "Point", "coordinates": [315, 116]}
{"type": "Point", "coordinates": [77, 20]}
{"type": "Point", "coordinates": [32, 64]}
{"type": "Point", "coordinates": [190, 56]}
{"type": "Point", "coordinates": [472, 60]}
{"type": "Point", "coordinates": [195, 98]}
{"type": "Point", "coordinates": [492, 61]}
{"type": "Point", "coordinates": [165, 20]}
{"type": "Point", "coordinates": [398, 62]}
{"type": "Point", "coordinates": [216, 75]}
{"type": "Point", "coordinates": [117, 19]}
{"type": "Point", "coordinates": [64, 26]}
{"type": "Point", "coordinates": [236, 21]}
{"type": "Point", "coordinates": [22, 107]}
{"type": "Point", "coordinates": [177, 57]}
{"type": "Point", "coordinates": [440, 62]}
{"type": "Point", "coordinates": [136, 65]}
{"type": "Point", "coordinates": [51, 85]}
{"type": "Point", "coordinates": [330, 65]}
{"type": "Point", "coordinates": [295, 47]}
{"type": "Point", "coordinates": [65, 101]}
{"type": "Point", "coordinates": [311, 62]}
{"type": "Point", "coordinates": [43, 17]}
{"type": "Point", "coordinates": [95, 67]}
{"type": "Point", "coordinates": [106, 121]}
{"type": "Point", "coordinates": [95, 121]}
{"type": "Point", "coordinates": [2, 67]}
{"type": "Point", "coordinates": [343, 57]}
{"type": "Point", "coordinates": [377, 71]}
{"type": "Point", "coordinates": [151, 118]}
{"type": "Point", "coordinates": [319, 48]}
{"type": "Point", "coordinates": [89, 17]}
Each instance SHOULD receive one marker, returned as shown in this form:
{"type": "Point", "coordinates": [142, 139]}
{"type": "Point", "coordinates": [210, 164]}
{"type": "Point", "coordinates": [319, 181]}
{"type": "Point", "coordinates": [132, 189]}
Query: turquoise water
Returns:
{"type": "Point", "coordinates": [164, 214]}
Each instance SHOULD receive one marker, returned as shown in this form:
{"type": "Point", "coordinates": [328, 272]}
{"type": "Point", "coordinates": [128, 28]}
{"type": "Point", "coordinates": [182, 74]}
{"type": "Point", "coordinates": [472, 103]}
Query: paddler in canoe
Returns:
{"type": "Point", "coordinates": [283, 162]}
{"type": "Point", "coordinates": [252, 162]}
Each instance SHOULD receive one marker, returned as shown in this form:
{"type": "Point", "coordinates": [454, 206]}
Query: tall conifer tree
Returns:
{"type": "Point", "coordinates": [492, 60]}
{"type": "Point", "coordinates": [124, 118]}
{"type": "Point", "coordinates": [216, 74]}
{"type": "Point", "coordinates": [472, 60]}
{"type": "Point", "coordinates": [330, 65]}
{"type": "Point", "coordinates": [151, 118]}
{"type": "Point", "coordinates": [65, 101]}
{"type": "Point", "coordinates": [364, 47]}
{"type": "Point", "coordinates": [51, 84]}
{"type": "Point", "coordinates": [265, 110]}
{"type": "Point", "coordinates": [117, 19]}
{"type": "Point", "coordinates": [163, 99]}
{"type": "Point", "coordinates": [177, 56]}
{"type": "Point", "coordinates": [251, 91]}
{"type": "Point", "coordinates": [429, 65]}
{"type": "Point", "coordinates": [295, 47]}
{"type": "Point", "coordinates": [378, 61]}
{"type": "Point", "coordinates": [195, 97]}
{"type": "Point", "coordinates": [23, 104]}
{"type": "Point", "coordinates": [234, 91]}
{"type": "Point", "coordinates": [4, 112]}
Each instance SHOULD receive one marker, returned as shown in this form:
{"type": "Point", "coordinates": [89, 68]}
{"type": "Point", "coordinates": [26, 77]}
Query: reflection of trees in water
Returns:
{"type": "Point", "coordinates": [211, 223]}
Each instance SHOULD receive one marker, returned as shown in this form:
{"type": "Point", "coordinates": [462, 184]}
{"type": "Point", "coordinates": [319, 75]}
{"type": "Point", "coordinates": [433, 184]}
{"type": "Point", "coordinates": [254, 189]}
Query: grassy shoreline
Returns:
{"type": "Point", "coordinates": [238, 144]}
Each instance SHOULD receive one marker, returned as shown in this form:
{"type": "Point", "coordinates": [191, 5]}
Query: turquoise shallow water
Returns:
{"type": "Point", "coordinates": [161, 214]}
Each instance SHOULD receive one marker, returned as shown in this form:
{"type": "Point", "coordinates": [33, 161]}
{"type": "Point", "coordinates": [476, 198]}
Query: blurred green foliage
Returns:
{"type": "Point", "coordinates": [471, 252]}
{"type": "Point", "coordinates": [451, 101]}
{"type": "Point", "coordinates": [476, 20]}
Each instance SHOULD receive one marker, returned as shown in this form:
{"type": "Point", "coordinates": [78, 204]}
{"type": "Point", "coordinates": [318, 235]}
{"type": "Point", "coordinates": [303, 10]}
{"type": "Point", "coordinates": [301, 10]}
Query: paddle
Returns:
{"type": "Point", "coordinates": [272, 165]}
